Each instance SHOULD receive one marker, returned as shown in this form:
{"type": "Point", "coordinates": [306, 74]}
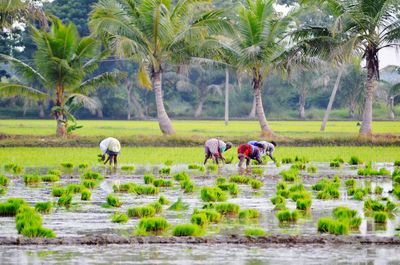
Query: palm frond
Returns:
{"type": "Point", "coordinates": [107, 79]}
{"type": "Point", "coordinates": [75, 101]}
{"type": "Point", "coordinates": [10, 90]}
{"type": "Point", "coordinates": [143, 77]}
{"type": "Point", "coordinates": [23, 69]}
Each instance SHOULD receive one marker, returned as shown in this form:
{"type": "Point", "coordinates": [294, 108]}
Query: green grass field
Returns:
{"type": "Point", "coordinates": [182, 155]}
{"type": "Point", "coordinates": [298, 129]}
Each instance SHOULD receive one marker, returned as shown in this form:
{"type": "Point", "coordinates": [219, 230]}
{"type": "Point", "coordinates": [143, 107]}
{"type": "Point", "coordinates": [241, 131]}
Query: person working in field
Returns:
{"type": "Point", "coordinates": [111, 147]}
{"type": "Point", "coordinates": [267, 148]}
{"type": "Point", "coordinates": [214, 148]}
{"type": "Point", "coordinates": [248, 152]}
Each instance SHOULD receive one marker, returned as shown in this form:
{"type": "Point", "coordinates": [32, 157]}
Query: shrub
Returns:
{"type": "Point", "coordinates": [125, 187]}
{"type": "Point", "coordinates": [143, 211]}
{"type": "Point", "coordinates": [278, 200]}
{"type": "Point", "coordinates": [212, 215]}
{"type": "Point", "coordinates": [49, 178]}
{"type": "Point", "coordinates": [312, 169]}
{"type": "Point", "coordinates": [287, 216]}
{"type": "Point", "coordinates": [354, 160]}
{"type": "Point", "coordinates": [54, 172]}
{"type": "Point", "coordinates": [212, 167]}
{"type": "Point", "coordinates": [92, 175]}
{"type": "Point", "coordinates": [11, 206]}
{"type": "Point", "coordinates": [145, 190]}
{"type": "Point", "coordinates": [232, 188]}
{"type": "Point", "coordinates": [148, 179]}
{"type": "Point", "coordinates": [179, 205]}
{"type": "Point", "coordinates": [227, 209]}
{"type": "Point", "coordinates": [128, 168]}
{"type": "Point", "coordinates": [74, 188]}
{"type": "Point", "coordinates": [162, 183]}
{"type": "Point", "coordinates": [44, 207]}
{"type": "Point", "coordinates": [199, 219]}
{"type": "Point", "coordinates": [380, 217]}
{"type": "Point", "coordinates": [186, 230]}
{"type": "Point", "coordinates": [303, 204]}
{"type": "Point", "coordinates": [187, 185]}
{"type": "Point", "coordinates": [118, 217]}
{"type": "Point", "coordinates": [31, 179]}
{"type": "Point", "coordinates": [257, 171]}
{"type": "Point", "coordinates": [254, 232]}
{"type": "Point", "coordinates": [65, 200]}
{"type": "Point", "coordinates": [113, 201]}
{"type": "Point", "coordinates": [90, 184]}
{"type": "Point", "coordinates": [289, 175]}
{"type": "Point", "coordinates": [153, 224]}
{"type": "Point", "coordinates": [163, 201]}
{"type": "Point", "coordinates": [4, 181]}
{"type": "Point", "coordinates": [57, 191]}
{"type": "Point", "coordinates": [239, 179]}
{"type": "Point", "coordinates": [256, 184]}
{"type": "Point", "coordinates": [181, 176]}
{"type": "Point", "coordinates": [213, 194]}
{"type": "Point", "coordinates": [86, 195]}
{"type": "Point", "coordinates": [249, 214]}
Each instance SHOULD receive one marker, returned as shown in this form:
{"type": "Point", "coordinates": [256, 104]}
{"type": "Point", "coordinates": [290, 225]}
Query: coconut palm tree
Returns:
{"type": "Point", "coordinates": [362, 28]}
{"type": "Point", "coordinates": [155, 32]}
{"type": "Point", "coordinates": [18, 10]}
{"type": "Point", "coordinates": [62, 63]}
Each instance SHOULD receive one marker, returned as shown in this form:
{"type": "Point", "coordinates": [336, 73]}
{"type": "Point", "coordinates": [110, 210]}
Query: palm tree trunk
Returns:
{"type": "Point", "coordinates": [331, 100]}
{"type": "Point", "coordinates": [163, 120]}
{"type": "Point", "coordinates": [372, 66]}
{"type": "Point", "coordinates": [265, 129]}
{"type": "Point", "coordinates": [41, 109]}
{"type": "Point", "coordinates": [226, 96]}
{"type": "Point", "coordinates": [138, 108]}
{"type": "Point", "coordinates": [199, 109]}
{"type": "Point", "coordinates": [252, 113]}
{"type": "Point", "coordinates": [302, 103]}
{"type": "Point", "coordinates": [62, 123]}
{"type": "Point", "coordinates": [129, 90]}
{"type": "Point", "coordinates": [391, 108]}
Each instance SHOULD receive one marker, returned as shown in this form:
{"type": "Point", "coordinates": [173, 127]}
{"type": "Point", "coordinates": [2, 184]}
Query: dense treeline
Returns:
{"type": "Point", "coordinates": [196, 88]}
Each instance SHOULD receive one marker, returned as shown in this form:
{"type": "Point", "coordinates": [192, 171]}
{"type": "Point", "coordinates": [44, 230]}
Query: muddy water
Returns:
{"type": "Point", "coordinates": [201, 254]}
{"type": "Point", "coordinates": [88, 218]}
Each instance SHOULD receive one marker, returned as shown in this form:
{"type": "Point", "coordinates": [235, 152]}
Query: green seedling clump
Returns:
{"type": "Point", "coordinates": [232, 188]}
{"type": "Point", "coordinates": [125, 187]}
{"type": "Point", "coordinates": [303, 204]}
{"type": "Point", "coordinates": [397, 163]}
{"type": "Point", "coordinates": [196, 167]}
{"type": "Point", "coordinates": [3, 191]}
{"type": "Point", "coordinates": [120, 218]}
{"type": "Point", "coordinates": [83, 166]}
{"type": "Point", "coordinates": [199, 219]}
{"type": "Point", "coordinates": [298, 166]}
{"type": "Point", "coordinates": [74, 188]}
{"type": "Point", "coordinates": [143, 211]}
{"type": "Point", "coordinates": [164, 170]}
{"type": "Point", "coordinates": [92, 175]}
{"type": "Point", "coordinates": [227, 209]}
{"type": "Point", "coordinates": [162, 183]}
{"type": "Point", "coordinates": [330, 190]}
{"type": "Point", "coordinates": [57, 191]}
{"type": "Point", "coordinates": [148, 179]}
{"type": "Point", "coordinates": [257, 171]}
{"type": "Point", "coordinates": [31, 179]}
{"type": "Point", "coordinates": [369, 171]}
{"type": "Point", "coordinates": [179, 205]}
{"type": "Point", "coordinates": [380, 217]}
{"type": "Point", "coordinates": [49, 178]}
{"type": "Point", "coordinates": [239, 179]}
{"type": "Point", "coordinates": [350, 183]}
{"type": "Point", "coordinates": [299, 187]}
{"type": "Point", "coordinates": [287, 216]}
{"type": "Point", "coordinates": [278, 200]}
{"type": "Point", "coordinates": [90, 184]}
{"type": "Point", "coordinates": [212, 167]}
{"type": "Point", "coordinates": [44, 207]}
{"type": "Point", "coordinates": [371, 205]}
{"type": "Point", "coordinates": [187, 185]}
{"type": "Point", "coordinates": [113, 201]}
{"type": "Point", "coordinates": [312, 169]}
{"type": "Point", "coordinates": [249, 214]}
{"type": "Point", "coordinates": [4, 181]}
{"type": "Point", "coordinates": [290, 175]}
{"type": "Point", "coordinates": [168, 162]}
{"type": "Point", "coordinates": [254, 232]}
{"type": "Point", "coordinates": [354, 160]}
{"type": "Point", "coordinates": [67, 166]}
{"type": "Point", "coordinates": [212, 215]}
{"type": "Point", "coordinates": [378, 190]}
{"type": "Point", "coordinates": [128, 168]}
{"type": "Point", "coordinates": [358, 194]}
{"type": "Point", "coordinates": [65, 200]}
{"type": "Point", "coordinates": [213, 194]}
{"type": "Point", "coordinates": [287, 160]}
{"type": "Point", "coordinates": [256, 184]}
{"type": "Point", "coordinates": [13, 168]}
{"type": "Point", "coordinates": [186, 230]}
{"type": "Point", "coordinates": [29, 223]}
{"type": "Point", "coordinates": [181, 176]}
{"type": "Point", "coordinates": [331, 226]}
{"type": "Point", "coordinates": [153, 224]}
{"type": "Point", "coordinates": [220, 180]}
{"type": "Point", "coordinates": [54, 172]}
{"type": "Point", "coordinates": [157, 206]}
{"type": "Point", "coordinates": [298, 195]}
{"type": "Point", "coordinates": [11, 206]}
{"type": "Point", "coordinates": [337, 162]}
{"type": "Point", "coordinates": [301, 159]}
{"type": "Point", "coordinates": [163, 201]}
{"type": "Point", "coordinates": [146, 190]}
{"type": "Point", "coordinates": [86, 195]}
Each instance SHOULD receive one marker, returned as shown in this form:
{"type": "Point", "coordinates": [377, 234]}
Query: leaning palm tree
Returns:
{"type": "Point", "coordinates": [364, 28]}
{"type": "Point", "coordinates": [257, 45]}
{"type": "Point", "coordinates": [62, 63]}
{"type": "Point", "coordinates": [152, 33]}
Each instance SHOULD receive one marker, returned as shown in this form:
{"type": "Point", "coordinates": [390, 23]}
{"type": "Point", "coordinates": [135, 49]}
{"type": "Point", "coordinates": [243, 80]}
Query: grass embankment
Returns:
{"type": "Point", "coordinates": [27, 156]}
{"type": "Point", "coordinates": [192, 133]}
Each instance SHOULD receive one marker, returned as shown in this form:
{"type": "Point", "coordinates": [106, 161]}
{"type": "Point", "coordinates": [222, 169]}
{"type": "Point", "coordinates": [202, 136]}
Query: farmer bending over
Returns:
{"type": "Point", "coordinates": [111, 147]}
{"type": "Point", "coordinates": [214, 148]}
{"type": "Point", "coordinates": [267, 148]}
{"type": "Point", "coordinates": [247, 152]}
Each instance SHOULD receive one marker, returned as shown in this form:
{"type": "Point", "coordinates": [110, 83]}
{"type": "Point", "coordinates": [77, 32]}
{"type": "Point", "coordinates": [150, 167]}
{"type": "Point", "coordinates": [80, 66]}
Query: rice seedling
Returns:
{"type": "Point", "coordinates": [212, 215]}
{"type": "Point", "coordinates": [220, 180]}
{"type": "Point", "coordinates": [278, 163]}
{"type": "Point", "coordinates": [142, 211]}
{"type": "Point", "coordinates": [229, 159]}
{"type": "Point", "coordinates": [298, 166]}
{"type": "Point", "coordinates": [11, 206]}
{"type": "Point", "coordinates": [354, 160]}
{"type": "Point", "coordinates": [196, 167]}
{"type": "Point", "coordinates": [181, 176]}
{"type": "Point", "coordinates": [125, 187]}
{"type": "Point", "coordinates": [3, 191]}
{"type": "Point", "coordinates": [212, 167]}
{"type": "Point", "coordinates": [4, 181]}
{"type": "Point", "coordinates": [239, 179]}
{"type": "Point", "coordinates": [303, 204]}
{"type": "Point", "coordinates": [187, 186]}
{"type": "Point", "coordinates": [57, 191]}
{"type": "Point", "coordinates": [254, 232]}
{"type": "Point", "coordinates": [328, 194]}
{"type": "Point", "coordinates": [298, 187]}
{"type": "Point", "coordinates": [232, 188]}
{"type": "Point", "coordinates": [257, 171]}
{"type": "Point", "coordinates": [355, 222]}
{"type": "Point", "coordinates": [290, 175]}
{"type": "Point", "coordinates": [113, 201]}
{"type": "Point", "coordinates": [49, 178]}
{"type": "Point", "coordinates": [321, 184]}
{"type": "Point", "coordinates": [30, 179]}
{"type": "Point", "coordinates": [396, 192]}
{"type": "Point", "coordinates": [335, 227]}
{"type": "Point", "coordinates": [168, 162]}
{"type": "Point", "coordinates": [350, 183]}
{"type": "Point", "coordinates": [74, 188]}
{"type": "Point", "coordinates": [148, 179]}
{"type": "Point", "coordinates": [278, 200]}
{"type": "Point", "coordinates": [380, 217]}
{"type": "Point", "coordinates": [153, 224]}
{"type": "Point", "coordinates": [65, 200]}
{"type": "Point", "coordinates": [157, 206]}
{"type": "Point", "coordinates": [227, 209]}
{"type": "Point", "coordinates": [301, 159]}
{"type": "Point", "coordinates": [145, 190]}
{"type": "Point", "coordinates": [90, 184]}
{"type": "Point", "coordinates": [282, 185]}
{"type": "Point", "coordinates": [186, 230]}
{"type": "Point", "coordinates": [287, 216]}
{"type": "Point", "coordinates": [13, 168]}
{"type": "Point", "coordinates": [256, 184]}
{"type": "Point", "coordinates": [164, 171]}
{"type": "Point", "coordinates": [369, 171]}
{"type": "Point", "coordinates": [54, 172]}
{"type": "Point", "coordinates": [295, 196]}
{"type": "Point", "coordinates": [359, 194]}
{"type": "Point", "coordinates": [312, 169]}
{"type": "Point", "coordinates": [249, 214]}
{"type": "Point", "coordinates": [396, 172]}
{"type": "Point", "coordinates": [371, 205]}
{"type": "Point", "coordinates": [44, 207]}
{"type": "Point", "coordinates": [90, 175]}
{"type": "Point", "coordinates": [86, 195]}
{"type": "Point", "coordinates": [162, 183]}
{"type": "Point", "coordinates": [67, 166]}
{"type": "Point", "coordinates": [128, 168]}
{"type": "Point", "coordinates": [213, 194]}
{"type": "Point", "coordinates": [163, 201]}
{"type": "Point", "coordinates": [179, 205]}
{"type": "Point", "coordinates": [287, 160]}
{"type": "Point", "coordinates": [38, 231]}
{"type": "Point", "coordinates": [120, 218]}
{"type": "Point", "coordinates": [83, 166]}
{"type": "Point", "coordinates": [342, 212]}
{"type": "Point", "coordinates": [199, 219]}
{"type": "Point", "coordinates": [335, 163]}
